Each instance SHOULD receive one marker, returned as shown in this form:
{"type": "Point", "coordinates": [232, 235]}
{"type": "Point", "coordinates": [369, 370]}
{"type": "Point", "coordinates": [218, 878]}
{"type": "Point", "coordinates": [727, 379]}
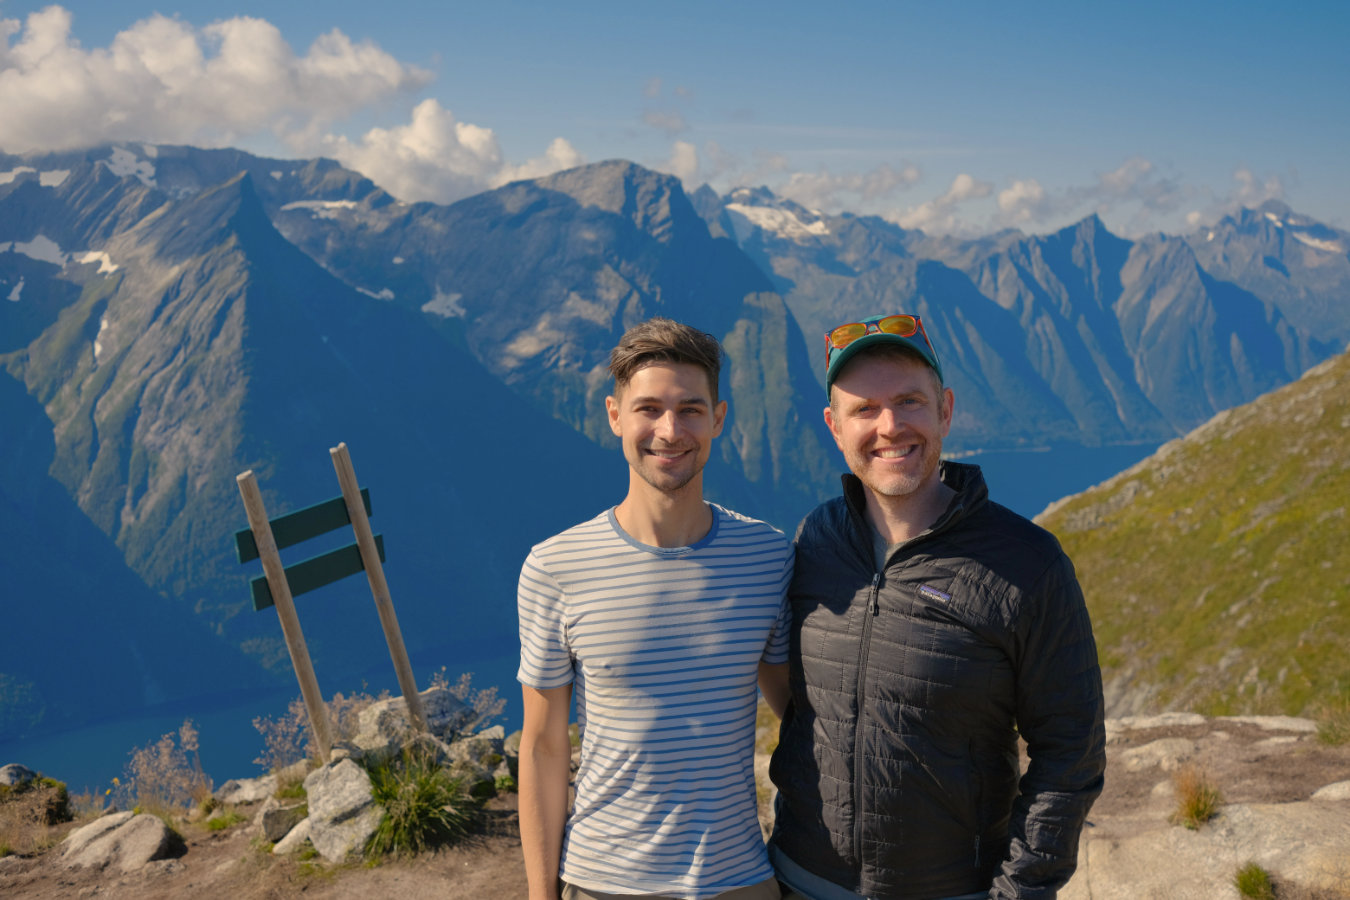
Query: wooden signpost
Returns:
{"type": "Point", "coordinates": [278, 585]}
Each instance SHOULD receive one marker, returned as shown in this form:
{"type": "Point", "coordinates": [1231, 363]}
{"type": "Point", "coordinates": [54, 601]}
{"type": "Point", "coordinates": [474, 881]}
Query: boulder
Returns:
{"type": "Point", "coordinates": [247, 790]}
{"type": "Point", "coordinates": [294, 840]}
{"type": "Point", "coordinates": [342, 811]}
{"type": "Point", "coordinates": [383, 727]}
{"type": "Point", "coordinates": [14, 775]}
{"type": "Point", "coordinates": [1331, 792]}
{"type": "Point", "coordinates": [126, 841]}
{"type": "Point", "coordinates": [275, 818]}
{"type": "Point", "coordinates": [1167, 754]}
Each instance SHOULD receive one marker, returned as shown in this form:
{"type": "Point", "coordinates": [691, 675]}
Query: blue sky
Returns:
{"type": "Point", "coordinates": [957, 117]}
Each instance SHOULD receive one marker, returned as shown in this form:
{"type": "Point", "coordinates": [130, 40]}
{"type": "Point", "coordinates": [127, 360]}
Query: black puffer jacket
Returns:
{"type": "Point", "coordinates": [897, 760]}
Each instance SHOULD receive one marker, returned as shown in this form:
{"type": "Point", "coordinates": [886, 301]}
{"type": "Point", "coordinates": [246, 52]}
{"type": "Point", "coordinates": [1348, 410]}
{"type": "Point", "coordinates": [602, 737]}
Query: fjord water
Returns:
{"type": "Point", "coordinates": [89, 757]}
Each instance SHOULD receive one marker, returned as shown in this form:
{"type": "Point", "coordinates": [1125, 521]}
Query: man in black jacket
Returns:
{"type": "Point", "coordinates": [931, 627]}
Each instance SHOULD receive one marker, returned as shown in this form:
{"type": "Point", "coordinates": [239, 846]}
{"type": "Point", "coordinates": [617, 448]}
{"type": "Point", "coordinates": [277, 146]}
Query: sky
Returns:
{"type": "Point", "coordinates": [955, 118]}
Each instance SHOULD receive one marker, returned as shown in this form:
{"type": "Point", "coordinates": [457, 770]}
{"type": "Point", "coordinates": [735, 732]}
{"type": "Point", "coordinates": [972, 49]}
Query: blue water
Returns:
{"type": "Point", "coordinates": [1027, 481]}
{"type": "Point", "coordinates": [88, 758]}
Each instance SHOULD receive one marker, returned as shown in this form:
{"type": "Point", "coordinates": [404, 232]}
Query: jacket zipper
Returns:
{"type": "Point", "coordinates": [873, 608]}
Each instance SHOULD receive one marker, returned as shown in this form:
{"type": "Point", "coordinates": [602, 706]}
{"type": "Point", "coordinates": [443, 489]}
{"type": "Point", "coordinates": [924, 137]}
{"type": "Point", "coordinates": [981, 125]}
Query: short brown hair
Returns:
{"type": "Point", "coordinates": [665, 340]}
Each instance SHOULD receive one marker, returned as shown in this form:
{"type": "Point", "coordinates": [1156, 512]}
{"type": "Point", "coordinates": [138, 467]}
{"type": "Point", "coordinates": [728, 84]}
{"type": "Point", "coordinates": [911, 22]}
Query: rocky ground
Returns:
{"type": "Point", "coordinates": [1285, 805]}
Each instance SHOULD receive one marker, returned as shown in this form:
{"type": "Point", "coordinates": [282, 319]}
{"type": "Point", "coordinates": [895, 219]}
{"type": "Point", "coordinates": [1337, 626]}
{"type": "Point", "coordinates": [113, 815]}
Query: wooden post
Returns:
{"type": "Point", "coordinates": [290, 623]}
{"type": "Point", "coordinates": [370, 558]}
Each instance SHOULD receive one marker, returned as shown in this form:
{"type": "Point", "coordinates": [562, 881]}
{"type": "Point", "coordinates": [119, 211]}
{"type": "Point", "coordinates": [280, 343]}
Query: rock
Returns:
{"type": "Point", "coordinates": [1274, 723]}
{"type": "Point", "coordinates": [126, 841]}
{"type": "Point", "coordinates": [342, 810]}
{"type": "Point", "coordinates": [275, 818]}
{"type": "Point", "coordinates": [294, 840]}
{"type": "Point", "coordinates": [1167, 754]}
{"type": "Point", "coordinates": [383, 727]}
{"type": "Point", "coordinates": [1129, 858]}
{"type": "Point", "coordinates": [1338, 791]}
{"type": "Point", "coordinates": [247, 790]}
{"type": "Point", "coordinates": [1163, 720]}
{"type": "Point", "coordinates": [14, 774]}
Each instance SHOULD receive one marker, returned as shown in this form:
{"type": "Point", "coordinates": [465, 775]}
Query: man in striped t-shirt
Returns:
{"type": "Point", "coordinates": [659, 615]}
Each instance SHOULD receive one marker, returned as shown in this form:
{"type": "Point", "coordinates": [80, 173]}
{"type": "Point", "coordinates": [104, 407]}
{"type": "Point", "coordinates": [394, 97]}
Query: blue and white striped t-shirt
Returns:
{"type": "Point", "coordinates": [662, 646]}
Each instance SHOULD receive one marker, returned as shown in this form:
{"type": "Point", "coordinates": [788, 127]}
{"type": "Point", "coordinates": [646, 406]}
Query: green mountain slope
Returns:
{"type": "Point", "coordinates": [1216, 570]}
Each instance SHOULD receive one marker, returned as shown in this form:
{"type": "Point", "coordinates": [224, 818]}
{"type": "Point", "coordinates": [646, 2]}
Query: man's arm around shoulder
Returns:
{"type": "Point", "coordinates": [545, 766]}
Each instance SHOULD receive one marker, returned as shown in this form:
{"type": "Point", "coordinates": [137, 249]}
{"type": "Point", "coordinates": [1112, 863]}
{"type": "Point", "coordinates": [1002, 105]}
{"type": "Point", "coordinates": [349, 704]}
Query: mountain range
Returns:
{"type": "Point", "coordinates": [171, 316]}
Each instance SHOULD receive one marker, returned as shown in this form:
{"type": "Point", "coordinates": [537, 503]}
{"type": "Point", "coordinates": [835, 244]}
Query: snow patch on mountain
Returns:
{"type": "Point", "coordinates": [98, 338]}
{"type": "Point", "coordinates": [105, 264]}
{"type": "Point", "coordinates": [1276, 219]}
{"type": "Point", "coordinates": [123, 162]}
{"type": "Point", "coordinates": [1318, 244]}
{"type": "Point", "coordinates": [781, 222]}
{"type": "Point", "coordinates": [384, 293]}
{"type": "Point", "coordinates": [321, 209]}
{"type": "Point", "coordinates": [447, 306]}
{"type": "Point", "coordinates": [41, 248]}
{"type": "Point", "coordinates": [15, 292]}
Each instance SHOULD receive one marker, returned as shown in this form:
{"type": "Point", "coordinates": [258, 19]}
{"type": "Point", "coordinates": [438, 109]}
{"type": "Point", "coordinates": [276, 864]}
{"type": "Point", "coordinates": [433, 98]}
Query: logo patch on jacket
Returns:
{"type": "Point", "coordinates": [932, 593]}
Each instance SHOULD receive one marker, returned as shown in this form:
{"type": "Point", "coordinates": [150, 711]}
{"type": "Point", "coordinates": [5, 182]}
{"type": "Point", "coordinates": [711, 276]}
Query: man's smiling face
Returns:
{"type": "Point", "coordinates": [889, 416]}
{"type": "Point", "coordinates": [666, 419]}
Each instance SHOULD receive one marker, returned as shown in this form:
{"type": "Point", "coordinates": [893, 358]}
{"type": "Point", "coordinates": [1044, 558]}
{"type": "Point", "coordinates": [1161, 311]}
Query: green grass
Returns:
{"type": "Point", "coordinates": [1333, 722]}
{"type": "Point", "coordinates": [1213, 571]}
{"type": "Point", "coordinates": [225, 820]}
{"type": "Point", "coordinates": [424, 806]}
{"type": "Point", "coordinates": [1253, 883]}
{"type": "Point", "coordinates": [1198, 801]}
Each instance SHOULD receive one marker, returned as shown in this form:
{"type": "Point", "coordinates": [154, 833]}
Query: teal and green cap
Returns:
{"type": "Point", "coordinates": [843, 342]}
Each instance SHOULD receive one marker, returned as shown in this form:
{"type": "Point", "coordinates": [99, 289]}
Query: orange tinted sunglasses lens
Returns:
{"type": "Point", "coordinates": [904, 326]}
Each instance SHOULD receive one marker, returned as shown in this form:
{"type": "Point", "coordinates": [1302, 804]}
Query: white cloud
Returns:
{"type": "Point", "coordinates": [1025, 201]}
{"type": "Point", "coordinates": [1250, 190]}
{"type": "Point", "coordinates": [940, 214]}
{"type": "Point", "coordinates": [830, 192]}
{"type": "Point", "coordinates": [559, 155]}
{"type": "Point", "coordinates": [683, 162]}
{"type": "Point", "coordinates": [162, 80]}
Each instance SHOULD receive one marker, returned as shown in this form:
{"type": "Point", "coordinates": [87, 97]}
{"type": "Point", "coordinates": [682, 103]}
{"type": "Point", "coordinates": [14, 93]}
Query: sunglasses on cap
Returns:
{"type": "Point", "coordinates": [903, 326]}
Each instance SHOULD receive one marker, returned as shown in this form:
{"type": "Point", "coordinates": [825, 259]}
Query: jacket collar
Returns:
{"type": "Point", "coordinates": [964, 478]}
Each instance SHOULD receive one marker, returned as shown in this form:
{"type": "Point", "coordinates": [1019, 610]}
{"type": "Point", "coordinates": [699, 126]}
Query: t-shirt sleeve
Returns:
{"type": "Point", "coordinates": [776, 649]}
{"type": "Point", "coordinates": [545, 661]}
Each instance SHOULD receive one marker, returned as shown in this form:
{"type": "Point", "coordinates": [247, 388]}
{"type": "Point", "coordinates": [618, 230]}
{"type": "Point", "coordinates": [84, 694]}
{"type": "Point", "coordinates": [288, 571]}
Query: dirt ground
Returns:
{"type": "Point", "coordinates": [1247, 763]}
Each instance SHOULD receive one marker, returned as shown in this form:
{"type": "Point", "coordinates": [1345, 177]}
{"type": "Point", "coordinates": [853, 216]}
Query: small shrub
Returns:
{"type": "Point", "coordinates": [1333, 722]}
{"type": "Point", "coordinates": [424, 806]}
{"type": "Point", "coordinates": [290, 790]}
{"type": "Point", "coordinates": [1197, 800]}
{"type": "Point", "coordinates": [505, 784]}
{"type": "Point", "coordinates": [288, 738]}
{"type": "Point", "coordinates": [165, 777]}
{"type": "Point", "coordinates": [1253, 882]}
{"type": "Point", "coordinates": [484, 705]}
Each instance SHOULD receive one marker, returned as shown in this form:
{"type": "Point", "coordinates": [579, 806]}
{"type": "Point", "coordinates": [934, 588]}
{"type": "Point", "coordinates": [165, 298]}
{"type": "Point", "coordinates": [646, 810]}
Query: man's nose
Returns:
{"type": "Point", "coordinates": [888, 421]}
{"type": "Point", "coordinates": [667, 425]}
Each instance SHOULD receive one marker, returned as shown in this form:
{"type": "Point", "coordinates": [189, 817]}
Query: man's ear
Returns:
{"type": "Point", "coordinates": [719, 417]}
{"type": "Point", "coordinates": [612, 409]}
{"type": "Point", "coordinates": [948, 407]}
{"type": "Point", "coordinates": [830, 424]}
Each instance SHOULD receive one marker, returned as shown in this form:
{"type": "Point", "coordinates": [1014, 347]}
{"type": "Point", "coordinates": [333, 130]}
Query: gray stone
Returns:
{"type": "Point", "coordinates": [247, 790]}
{"type": "Point", "coordinates": [1167, 754]}
{"type": "Point", "coordinates": [15, 774]}
{"type": "Point", "coordinates": [342, 811]}
{"type": "Point", "coordinates": [1274, 723]}
{"type": "Point", "coordinates": [1163, 720]}
{"type": "Point", "coordinates": [1133, 857]}
{"type": "Point", "coordinates": [1338, 791]}
{"type": "Point", "coordinates": [125, 841]}
{"type": "Point", "coordinates": [383, 727]}
{"type": "Point", "coordinates": [275, 818]}
{"type": "Point", "coordinates": [294, 840]}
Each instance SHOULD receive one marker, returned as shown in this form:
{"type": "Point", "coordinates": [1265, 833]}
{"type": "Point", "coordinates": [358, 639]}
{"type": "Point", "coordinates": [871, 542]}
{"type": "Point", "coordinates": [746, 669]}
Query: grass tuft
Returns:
{"type": "Point", "coordinates": [1198, 801]}
{"type": "Point", "coordinates": [424, 805]}
{"type": "Point", "coordinates": [228, 818]}
{"type": "Point", "coordinates": [1253, 883]}
{"type": "Point", "coordinates": [1333, 722]}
